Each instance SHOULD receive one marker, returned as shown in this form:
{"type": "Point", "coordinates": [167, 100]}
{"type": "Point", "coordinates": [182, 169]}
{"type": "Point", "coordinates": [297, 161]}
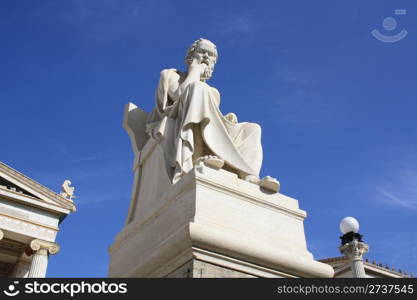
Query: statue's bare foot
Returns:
{"type": "Point", "coordinates": [212, 161]}
{"type": "Point", "coordinates": [269, 183]}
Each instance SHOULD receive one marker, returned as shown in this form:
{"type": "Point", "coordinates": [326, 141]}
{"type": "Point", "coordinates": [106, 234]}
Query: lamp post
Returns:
{"type": "Point", "coordinates": [353, 246]}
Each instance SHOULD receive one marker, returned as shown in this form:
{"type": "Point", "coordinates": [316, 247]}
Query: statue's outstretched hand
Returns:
{"type": "Point", "coordinates": [231, 117]}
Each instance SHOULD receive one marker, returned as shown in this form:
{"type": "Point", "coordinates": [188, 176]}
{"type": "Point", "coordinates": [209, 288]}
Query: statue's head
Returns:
{"type": "Point", "coordinates": [206, 52]}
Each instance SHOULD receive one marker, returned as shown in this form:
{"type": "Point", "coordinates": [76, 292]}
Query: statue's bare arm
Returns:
{"type": "Point", "coordinates": [177, 85]}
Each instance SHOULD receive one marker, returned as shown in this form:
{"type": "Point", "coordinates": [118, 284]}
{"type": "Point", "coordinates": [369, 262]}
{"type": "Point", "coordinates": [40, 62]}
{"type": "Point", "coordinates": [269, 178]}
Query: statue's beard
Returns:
{"type": "Point", "coordinates": [208, 72]}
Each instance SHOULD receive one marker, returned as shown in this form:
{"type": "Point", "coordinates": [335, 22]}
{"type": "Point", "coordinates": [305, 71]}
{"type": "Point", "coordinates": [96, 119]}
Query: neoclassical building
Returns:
{"type": "Point", "coordinates": [343, 269]}
{"type": "Point", "coordinates": [30, 215]}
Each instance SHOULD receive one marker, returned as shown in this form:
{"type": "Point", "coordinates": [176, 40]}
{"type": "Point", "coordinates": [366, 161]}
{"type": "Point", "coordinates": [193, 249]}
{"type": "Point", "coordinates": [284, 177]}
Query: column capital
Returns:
{"type": "Point", "coordinates": [1, 234]}
{"type": "Point", "coordinates": [48, 247]}
{"type": "Point", "coordinates": [354, 249]}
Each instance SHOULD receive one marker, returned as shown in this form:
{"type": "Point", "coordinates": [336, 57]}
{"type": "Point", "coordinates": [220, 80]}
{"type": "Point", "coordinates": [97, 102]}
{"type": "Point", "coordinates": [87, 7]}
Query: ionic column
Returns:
{"type": "Point", "coordinates": [41, 249]}
{"type": "Point", "coordinates": [354, 251]}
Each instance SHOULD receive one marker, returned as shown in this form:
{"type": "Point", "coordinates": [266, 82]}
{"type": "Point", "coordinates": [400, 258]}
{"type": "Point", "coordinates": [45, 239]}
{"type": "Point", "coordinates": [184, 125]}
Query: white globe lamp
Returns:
{"type": "Point", "coordinates": [349, 224]}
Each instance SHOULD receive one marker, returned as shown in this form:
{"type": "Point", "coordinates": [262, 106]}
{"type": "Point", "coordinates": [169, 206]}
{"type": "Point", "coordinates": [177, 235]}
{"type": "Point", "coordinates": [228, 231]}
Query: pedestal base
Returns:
{"type": "Point", "coordinates": [209, 224]}
{"type": "Point", "coordinates": [200, 269]}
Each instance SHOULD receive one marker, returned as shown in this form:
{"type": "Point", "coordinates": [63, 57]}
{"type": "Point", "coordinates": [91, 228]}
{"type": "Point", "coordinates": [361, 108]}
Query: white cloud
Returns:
{"type": "Point", "coordinates": [401, 190]}
{"type": "Point", "coordinates": [84, 199]}
{"type": "Point", "coordinates": [292, 76]}
{"type": "Point", "coordinates": [102, 20]}
{"type": "Point", "coordinates": [238, 30]}
{"type": "Point", "coordinates": [238, 24]}
{"type": "Point", "coordinates": [298, 100]}
{"type": "Point", "coordinates": [397, 250]}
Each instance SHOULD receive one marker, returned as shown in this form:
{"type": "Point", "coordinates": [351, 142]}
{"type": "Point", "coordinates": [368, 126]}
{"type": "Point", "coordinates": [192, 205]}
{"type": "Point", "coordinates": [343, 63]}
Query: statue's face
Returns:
{"type": "Point", "coordinates": [205, 54]}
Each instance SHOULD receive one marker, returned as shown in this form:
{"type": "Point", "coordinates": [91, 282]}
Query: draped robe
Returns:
{"type": "Point", "coordinates": [238, 144]}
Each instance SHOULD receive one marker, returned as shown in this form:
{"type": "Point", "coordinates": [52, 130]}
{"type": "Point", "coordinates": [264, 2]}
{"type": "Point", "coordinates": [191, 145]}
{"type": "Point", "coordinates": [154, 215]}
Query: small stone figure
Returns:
{"type": "Point", "coordinates": [67, 191]}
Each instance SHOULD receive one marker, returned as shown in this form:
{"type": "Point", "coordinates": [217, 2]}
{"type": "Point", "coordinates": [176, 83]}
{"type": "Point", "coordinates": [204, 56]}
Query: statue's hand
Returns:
{"type": "Point", "coordinates": [231, 117]}
{"type": "Point", "coordinates": [197, 67]}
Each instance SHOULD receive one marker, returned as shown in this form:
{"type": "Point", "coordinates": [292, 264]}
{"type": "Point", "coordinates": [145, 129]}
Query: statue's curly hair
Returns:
{"type": "Point", "coordinates": [194, 47]}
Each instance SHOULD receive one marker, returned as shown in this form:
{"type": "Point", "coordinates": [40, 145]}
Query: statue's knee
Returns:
{"type": "Point", "coordinates": [196, 92]}
{"type": "Point", "coordinates": [256, 129]}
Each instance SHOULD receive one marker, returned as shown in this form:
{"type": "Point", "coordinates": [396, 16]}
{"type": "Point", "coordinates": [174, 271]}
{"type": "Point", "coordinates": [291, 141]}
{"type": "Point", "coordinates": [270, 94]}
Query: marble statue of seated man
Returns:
{"type": "Point", "coordinates": [190, 127]}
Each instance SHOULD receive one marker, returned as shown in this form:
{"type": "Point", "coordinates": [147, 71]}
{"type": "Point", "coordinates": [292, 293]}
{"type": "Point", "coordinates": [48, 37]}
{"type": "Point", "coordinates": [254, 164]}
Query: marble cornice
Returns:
{"type": "Point", "coordinates": [37, 187]}
{"type": "Point", "coordinates": [29, 227]}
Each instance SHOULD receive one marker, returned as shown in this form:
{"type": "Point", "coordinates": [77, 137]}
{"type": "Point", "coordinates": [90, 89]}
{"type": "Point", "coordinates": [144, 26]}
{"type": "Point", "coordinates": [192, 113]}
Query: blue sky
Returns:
{"type": "Point", "coordinates": [337, 108]}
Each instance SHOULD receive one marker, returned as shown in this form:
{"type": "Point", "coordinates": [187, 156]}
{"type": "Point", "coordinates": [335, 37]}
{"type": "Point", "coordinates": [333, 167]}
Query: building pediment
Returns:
{"type": "Point", "coordinates": [20, 188]}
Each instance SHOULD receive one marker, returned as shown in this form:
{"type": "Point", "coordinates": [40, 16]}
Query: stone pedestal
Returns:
{"type": "Point", "coordinates": [209, 224]}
